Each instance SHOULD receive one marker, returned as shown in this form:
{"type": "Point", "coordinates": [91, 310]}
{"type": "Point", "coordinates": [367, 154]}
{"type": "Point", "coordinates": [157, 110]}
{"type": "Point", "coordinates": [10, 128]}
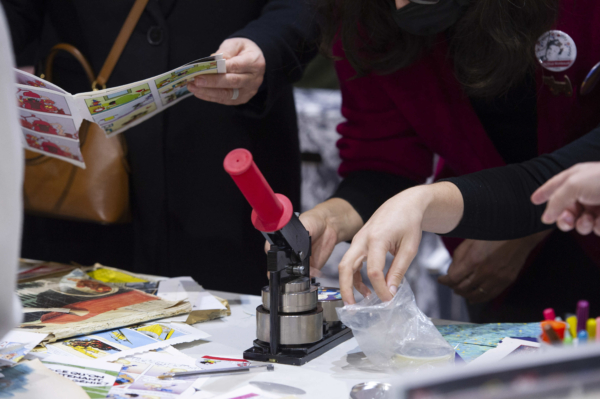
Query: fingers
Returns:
{"type": "Point", "coordinates": [566, 221]}
{"type": "Point", "coordinates": [459, 268]}
{"type": "Point", "coordinates": [222, 81]}
{"type": "Point", "coordinates": [221, 96]}
{"type": "Point", "coordinates": [315, 272]}
{"type": "Point", "coordinates": [585, 224]}
{"type": "Point", "coordinates": [349, 265]}
{"type": "Point", "coordinates": [230, 48]}
{"type": "Point", "coordinates": [375, 265]}
{"type": "Point", "coordinates": [564, 197]}
{"type": "Point", "coordinates": [359, 285]}
{"type": "Point", "coordinates": [405, 255]}
{"type": "Point", "coordinates": [543, 193]}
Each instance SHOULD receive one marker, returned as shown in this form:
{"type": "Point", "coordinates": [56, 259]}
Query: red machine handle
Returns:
{"type": "Point", "coordinates": [271, 211]}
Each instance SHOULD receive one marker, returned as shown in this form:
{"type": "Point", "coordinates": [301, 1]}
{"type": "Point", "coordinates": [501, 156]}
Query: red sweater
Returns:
{"type": "Point", "coordinates": [397, 122]}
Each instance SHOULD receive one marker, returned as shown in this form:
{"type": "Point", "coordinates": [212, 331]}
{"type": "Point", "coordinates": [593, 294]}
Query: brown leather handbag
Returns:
{"type": "Point", "coordinates": [99, 193]}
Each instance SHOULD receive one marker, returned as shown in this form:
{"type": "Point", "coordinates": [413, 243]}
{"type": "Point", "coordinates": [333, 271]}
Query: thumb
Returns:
{"type": "Point", "coordinates": [230, 48]}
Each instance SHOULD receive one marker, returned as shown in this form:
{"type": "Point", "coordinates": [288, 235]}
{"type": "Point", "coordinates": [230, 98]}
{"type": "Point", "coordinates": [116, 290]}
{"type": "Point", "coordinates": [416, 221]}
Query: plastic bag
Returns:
{"type": "Point", "coordinates": [396, 335]}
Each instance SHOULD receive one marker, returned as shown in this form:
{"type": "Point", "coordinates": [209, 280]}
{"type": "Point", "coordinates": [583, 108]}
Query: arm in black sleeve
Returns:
{"type": "Point", "coordinates": [25, 19]}
{"type": "Point", "coordinates": [367, 190]}
{"type": "Point", "coordinates": [497, 203]}
{"type": "Point", "coordinates": [287, 36]}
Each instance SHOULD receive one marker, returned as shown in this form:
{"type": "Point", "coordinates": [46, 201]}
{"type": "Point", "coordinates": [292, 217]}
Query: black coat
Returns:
{"type": "Point", "coordinates": [189, 217]}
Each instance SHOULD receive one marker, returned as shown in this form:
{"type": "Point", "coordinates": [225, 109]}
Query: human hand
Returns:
{"type": "Point", "coordinates": [573, 198]}
{"type": "Point", "coordinates": [328, 223]}
{"type": "Point", "coordinates": [396, 227]}
{"type": "Point", "coordinates": [245, 65]}
{"type": "Point", "coordinates": [481, 270]}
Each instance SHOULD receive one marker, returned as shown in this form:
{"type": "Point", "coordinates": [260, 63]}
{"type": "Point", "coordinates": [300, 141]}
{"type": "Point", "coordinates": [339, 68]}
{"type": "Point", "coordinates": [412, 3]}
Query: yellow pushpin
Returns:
{"type": "Point", "coordinates": [572, 322]}
{"type": "Point", "coordinates": [591, 328]}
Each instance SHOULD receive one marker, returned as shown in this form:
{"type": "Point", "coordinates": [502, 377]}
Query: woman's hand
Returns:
{"type": "Point", "coordinates": [396, 227]}
{"type": "Point", "coordinates": [573, 198]}
{"type": "Point", "coordinates": [245, 65]}
{"type": "Point", "coordinates": [328, 224]}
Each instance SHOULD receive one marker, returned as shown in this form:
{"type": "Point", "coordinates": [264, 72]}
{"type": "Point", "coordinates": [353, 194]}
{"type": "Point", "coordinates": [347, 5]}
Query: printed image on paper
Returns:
{"type": "Point", "coordinates": [28, 79]}
{"type": "Point", "coordinates": [54, 146]}
{"type": "Point", "coordinates": [139, 376]}
{"type": "Point", "coordinates": [110, 345]}
{"type": "Point", "coordinates": [16, 344]}
{"type": "Point", "coordinates": [39, 100]}
{"type": "Point", "coordinates": [117, 98]}
{"type": "Point", "coordinates": [96, 378]}
{"type": "Point", "coordinates": [77, 305]}
{"type": "Point", "coordinates": [173, 86]}
{"type": "Point", "coordinates": [48, 124]}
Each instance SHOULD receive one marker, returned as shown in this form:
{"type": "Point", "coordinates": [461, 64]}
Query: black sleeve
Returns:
{"type": "Point", "coordinates": [287, 36]}
{"type": "Point", "coordinates": [497, 203]}
{"type": "Point", "coordinates": [25, 19]}
{"type": "Point", "coordinates": [367, 190]}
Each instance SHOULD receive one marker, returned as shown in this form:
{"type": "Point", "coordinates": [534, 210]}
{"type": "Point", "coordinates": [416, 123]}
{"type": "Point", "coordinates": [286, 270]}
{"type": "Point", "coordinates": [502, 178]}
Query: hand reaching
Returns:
{"type": "Point", "coordinates": [573, 198]}
{"type": "Point", "coordinates": [245, 65]}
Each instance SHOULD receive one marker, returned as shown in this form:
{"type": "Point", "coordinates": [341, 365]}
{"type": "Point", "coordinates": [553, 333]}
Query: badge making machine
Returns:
{"type": "Point", "coordinates": [299, 322]}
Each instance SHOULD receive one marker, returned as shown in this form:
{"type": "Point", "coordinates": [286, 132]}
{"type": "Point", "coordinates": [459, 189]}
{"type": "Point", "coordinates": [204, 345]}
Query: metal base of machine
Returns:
{"type": "Point", "coordinates": [297, 355]}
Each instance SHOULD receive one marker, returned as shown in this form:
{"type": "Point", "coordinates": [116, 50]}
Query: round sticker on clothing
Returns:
{"type": "Point", "coordinates": [556, 51]}
{"type": "Point", "coordinates": [329, 294]}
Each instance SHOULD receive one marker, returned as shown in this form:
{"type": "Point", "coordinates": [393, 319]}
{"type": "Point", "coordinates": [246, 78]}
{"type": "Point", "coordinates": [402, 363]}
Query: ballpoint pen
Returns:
{"type": "Point", "coordinates": [269, 367]}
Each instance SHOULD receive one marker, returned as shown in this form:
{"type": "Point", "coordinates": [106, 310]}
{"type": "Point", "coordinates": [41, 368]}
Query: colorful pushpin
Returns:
{"type": "Point", "coordinates": [558, 330]}
{"type": "Point", "coordinates": [572, 322]}
{"type": "Point", "coordinates": [582, 337]}
{"type": "Point", "coordinates": [550, 335]}
{"type": "Point", "coordinates": [568, 339]}
{"type": "Point", "coordinates": [591, 328]}
{"type": "Point", "coordinates": [549, 314]}
{"type": "Point", "coordinates": [583, 311]}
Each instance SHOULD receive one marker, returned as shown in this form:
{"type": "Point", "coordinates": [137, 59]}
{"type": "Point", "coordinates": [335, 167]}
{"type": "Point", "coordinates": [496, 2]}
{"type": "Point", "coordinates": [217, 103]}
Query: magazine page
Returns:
{"type": "Point", "coordinates": [50, 122]}
{"type": "Point", "coordinates": [77, 305]}
{"type": "Point", "coordinates": [117, 109]}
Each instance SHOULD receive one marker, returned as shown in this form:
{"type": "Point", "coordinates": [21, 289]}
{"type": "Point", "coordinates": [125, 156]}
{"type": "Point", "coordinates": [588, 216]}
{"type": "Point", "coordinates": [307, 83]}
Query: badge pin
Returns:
{"type": "Point", "coordinates": [591, 80]}
{"type": "Point", "coordinates": [556, 51]}
{"type": "Point", "coordinates": [557, 88]}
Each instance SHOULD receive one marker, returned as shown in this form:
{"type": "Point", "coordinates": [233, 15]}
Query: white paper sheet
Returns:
{"type": "Point", "coordinates": [95, 377]}
{"type": "Point", "coordinates": [15, 345]}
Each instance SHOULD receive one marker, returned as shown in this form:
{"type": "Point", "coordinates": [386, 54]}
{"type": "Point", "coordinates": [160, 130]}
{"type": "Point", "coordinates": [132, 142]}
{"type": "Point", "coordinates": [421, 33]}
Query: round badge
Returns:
{"type": "Point", "coordinates": [329, 294]}
{"type": "Point", "coordinates": [556, 51]}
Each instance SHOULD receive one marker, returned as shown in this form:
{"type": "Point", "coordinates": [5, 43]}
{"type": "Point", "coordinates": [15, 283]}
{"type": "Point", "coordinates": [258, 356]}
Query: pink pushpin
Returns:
{"type": "Point", "coordinates": [549, 314]}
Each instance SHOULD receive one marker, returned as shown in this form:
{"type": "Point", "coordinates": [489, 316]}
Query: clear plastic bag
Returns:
{"type": "Point", "coordinates": [396, 335]}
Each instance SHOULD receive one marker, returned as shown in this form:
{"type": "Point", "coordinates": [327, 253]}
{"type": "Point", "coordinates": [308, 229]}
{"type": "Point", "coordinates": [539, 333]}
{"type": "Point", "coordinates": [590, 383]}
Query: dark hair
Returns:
{"type": "Point", "coordinates": [492, 44]}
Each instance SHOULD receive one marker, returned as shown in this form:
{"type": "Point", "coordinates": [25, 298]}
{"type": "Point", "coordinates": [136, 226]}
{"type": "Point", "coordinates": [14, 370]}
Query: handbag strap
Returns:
{"type": "Point", "coordinates": [120, 43]}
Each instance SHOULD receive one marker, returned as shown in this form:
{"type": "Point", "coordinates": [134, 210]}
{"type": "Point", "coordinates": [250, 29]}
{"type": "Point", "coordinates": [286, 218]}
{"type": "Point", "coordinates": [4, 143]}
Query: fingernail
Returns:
{"type": "Point", "coordinates": [569, 219]}
{"type": "Point", "coordinates": [393, 289]}
{"type": "Point", "coordinates": [200, 81]}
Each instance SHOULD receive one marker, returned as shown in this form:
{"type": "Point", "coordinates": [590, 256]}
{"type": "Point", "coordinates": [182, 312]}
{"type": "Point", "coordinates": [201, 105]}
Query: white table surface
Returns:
{"type": "Point", "coordinates": [330, 375]}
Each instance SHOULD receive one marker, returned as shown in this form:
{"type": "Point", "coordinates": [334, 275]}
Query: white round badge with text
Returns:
{"type": "Point", "coordinates": [556, 51]}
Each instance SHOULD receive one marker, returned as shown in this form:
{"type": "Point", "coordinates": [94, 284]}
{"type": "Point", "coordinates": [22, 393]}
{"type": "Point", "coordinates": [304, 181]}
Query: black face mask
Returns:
{"type": "Point", "coordinates": [422, 20]}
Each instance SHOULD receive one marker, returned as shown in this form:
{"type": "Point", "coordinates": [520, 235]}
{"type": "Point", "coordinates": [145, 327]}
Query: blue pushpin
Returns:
{"type": "Point", "coordinates": [583, 336]}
